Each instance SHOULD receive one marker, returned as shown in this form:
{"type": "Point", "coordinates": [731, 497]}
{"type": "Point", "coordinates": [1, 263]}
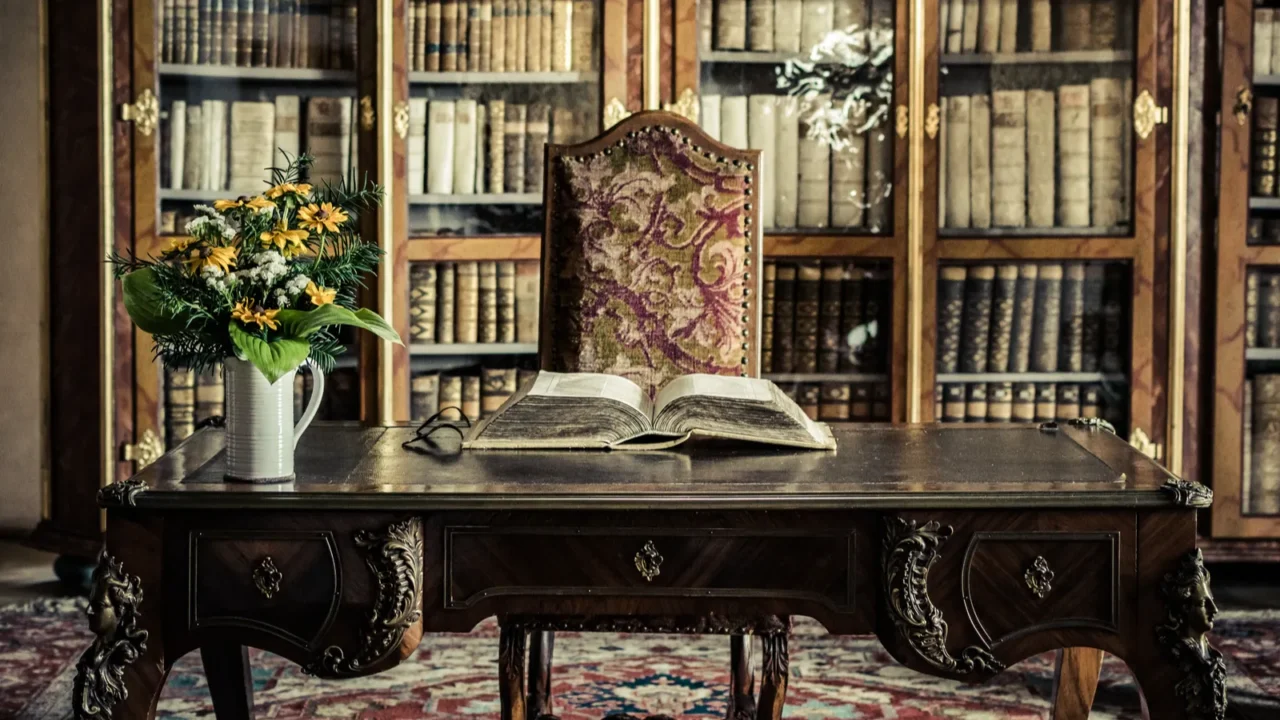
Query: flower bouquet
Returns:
{"type": "Point", "coordinates": [260, 285]}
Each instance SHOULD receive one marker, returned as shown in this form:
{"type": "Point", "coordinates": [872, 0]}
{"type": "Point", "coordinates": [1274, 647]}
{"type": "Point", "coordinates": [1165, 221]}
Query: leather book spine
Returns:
{"type": "Point", "coordinates": [1024, 402]}
{"type": "Point", "coordinates": [449, 35]}
{"type": "Point", "coordinates": [784, 318]}
{"type": "Point", "coordinates": [1264, 496]}
{"type": "Point", "coordinates": [879, 180]}
{"type": "Point", "coordinates": [980, 161]}
{"type": "Point", "coordinates": [958, 108]}
{"type": "Point", "coordinates": [1103, 29]}
{"type": "Point", "coordinates": [878, 306]}
{"type": "Point", "coordinates": [881, 398]}
{"type": "Point", "coordinates": [210, 394]}
{"type": "Point", "coordinates": [1071, 334]}
{"type": "Point", "coordinates": [951, 311]}
{"type": "Point", "coordinates": [731, 25]}
{"type": "Point", "coordinates": [204, 31]}
{"type": "Point", "coordinates": [1068, 407]}
{"type": "Point", "coordinates": [446, 299]}
{"type": "Point", "coordinates": [816, 21]}
{"type": "Point", "coordinates": [786, 163]}
{"type": "Point", "coordinates": [527, 285]}
{"type": "Point", "coordinates": [762, 133]}
{"type": "Point", "coordinates": [851, 318]}
{"type": "Point", "coordinates": [1041, 157]}
{"type": "Point", "coordinates": [1003, 297]}
{"type": "Point", "coordinates": [809, 399]}
{"type": "Point", "coordinates": [1077, 18]}
{"type": "Point", "coordinates": [167, 21]}
{"type": "Point", "coordinates": [829, 318]}
{"type": "Point", "coordinates": [497, 146]}
{"type": "Point", "coordinates": [424, 396]}
{"type": "Point", "coordinates": [350, 32]}
{"type": "Point", "coordinates": [471, 407]}
{"type": "Point", "coordinates": [1008, 26]}
{"type": "Point", "coordinates": [1000, 402]}
{"type": "Point", "coordinates": [537, 128]}
{"type": "Point", "coordinates": [975, 335]}
{"type": "Point", "coordinates": [261, 32]}
{"type": "Point", "coordinates": [1275, 47]}
{"type": "Point", "coordinates": [1246, 459]}
{"type": "Point", "coordinates": [1269, 311]}
{"type": "Point", "coordinates": [422, 302]}
{"type": "Point", "coordinates": [953, 40]}
{"type": "Point", "coordinates": [1263, 168]}
{"type": "Point", "coordinates": [975, 406]}
{"type": "Point", "coordinates": [814, 198]}
{"type": "Point", "coordinates": [860, 403]}
{"type": "Point", "coordinates": [1044, 341]}
{"type": "Point", "coordinates": [1262, 32]}
{"type": "Point", "coordinates": [561, 35]}
{"type": "Point", "coordinates": [834, 401]}
{"type": "Point", "coordinates": [1073, 156]}
{"type": "Point", "coordinates": [1114, 294]}
{"type": "Point", "coordinates": [485, 44]}
{"type": "Point", "coordinates": [193, 151]}
{"type": "Point", "coordinates": [944, 130]}
{"type": "Point", "coordinates": [1090, 395]}
{"type": "Point", "coordinates": [953, 402]}
{"type": "Point", "coordinates": [760, 25]}
{"type": "Point", "coordinates": [1091, 340]}
{"type": "Point", "coordinates": [769, 282]}
{"type": "Point", "coordinates": [495, 388]}
{"type": "Point", "coordinates": [533, 37]}
{"type": "Point", "coordinates": [246, 30]}
{"type": "Point", "coordinates": [1009, 158]}
{"type": "Point", "coordinates": [544, 21]}
{"type": "Point", "coordinates": [786, 25]}
{"type": "Point", "coordinates": [937, 400]}
{"type": "Point", "coordinates": [972, 24]}
{"type": "Point", "coordinates": [1046, 402]}
{"type": "Point", "coordinates": [193, 31]}
{"type": "Point", "coordinates": [441, 126]}
{"type": "Point", "coordinates": [989, 31]}
{"type": "Point", "coordinates": [450, 397]}
{"type": "Point", "coordinates": [230, 31]}
{"type": "Point", "coordinates": [848, 173]}
{"type": "Point", "coordinates": [1251, 308]}
{"type": "Point", "coordinates": [1041, 20]}
{"type": "Point", "coordinates": [464, 147]}
{"type": "Point", "coordinates": [414, 27]}
{"type": "Point", "coordinates": [1106, 151]}
{"type": "Point", "coordinates": [179, 405]}
{"type": "Point", "coordinates": [584, 32]}
{"type": "Point", "coordinates": [467, 303]}
{"type": "Point", "coordinates": [434, 30]}
{"type": "Point", "coordinates": [514, 148]}
{"type": "Point", "coordinates": [505, 301]}
{"type": "Point", "coordinates": [475, 37]}
{"type": "Point", "coordinates": [808, 283]}
{"type": "Point", "coordinates": [273, 34]}
{"type": "Point", "coordinates": [487, 302]}
{"type": "Point", "coordinates": [180, 31]}
{"type": "Point", "coordinates": [177, 144]}
{"type": "Point", "coordinates": [518, 37]}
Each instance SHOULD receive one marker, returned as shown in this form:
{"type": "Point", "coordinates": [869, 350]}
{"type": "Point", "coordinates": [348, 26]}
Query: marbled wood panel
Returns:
{"type": "Point", "coordinates": [1160, 328]}
{"type": "Point", "coordinates": [1195, 395]}
{"type": "Point", "coordinates": [666, 51]}
{"type": "Point", "coordinates": [1142, 370]}
{"type": "Point", "coordinates": [398, 272]}
{"type": "Point", "coordinates": [685, 52]}
{"type": "Point", "coordinates": [1059, 248]}
{"type": "Point", "coordinates": [929, 221]}
{"type": "Point", "coordinates": [615, 50]}
{"type": "Point", "coordinates": [635, 55]}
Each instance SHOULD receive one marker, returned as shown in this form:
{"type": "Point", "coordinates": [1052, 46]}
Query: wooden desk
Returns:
{"type": "Point", "coordinates": [964, 549]}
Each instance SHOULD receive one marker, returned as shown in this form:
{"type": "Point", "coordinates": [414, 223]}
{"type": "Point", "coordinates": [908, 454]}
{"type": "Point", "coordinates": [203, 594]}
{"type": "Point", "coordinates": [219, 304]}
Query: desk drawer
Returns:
{"type": "Point", "coordinates": [485, 561]}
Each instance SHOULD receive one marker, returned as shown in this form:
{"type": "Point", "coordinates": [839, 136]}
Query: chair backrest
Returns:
{"type": "Point", "coordinates": [651, 254]}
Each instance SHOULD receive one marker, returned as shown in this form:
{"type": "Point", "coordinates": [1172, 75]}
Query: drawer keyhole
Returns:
{"type": "Point", "coordinates": [1039, 577]}
{"type": "Point", "coordinates": [648, 561]}
{"type": "Point", "coordinates": [267, 577]}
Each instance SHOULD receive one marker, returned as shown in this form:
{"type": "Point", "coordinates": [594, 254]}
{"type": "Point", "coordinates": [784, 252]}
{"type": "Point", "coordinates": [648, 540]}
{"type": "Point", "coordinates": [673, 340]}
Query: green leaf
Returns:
{"type": "Point", "coordinates": [144, 302]}
{"type": "Point", "coordinates": [273, 358]}
{"type": "Point", "coordinates": [302, 323]}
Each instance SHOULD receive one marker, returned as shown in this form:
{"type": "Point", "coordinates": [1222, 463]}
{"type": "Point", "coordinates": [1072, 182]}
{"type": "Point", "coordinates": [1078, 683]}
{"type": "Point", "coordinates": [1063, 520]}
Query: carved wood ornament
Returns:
{"type": "Point", "coordinates": [909, 552]}
{"type": "Point", "coordinates": [113, 617]}
{"type": "Point", "coordinates": [1190, 607]}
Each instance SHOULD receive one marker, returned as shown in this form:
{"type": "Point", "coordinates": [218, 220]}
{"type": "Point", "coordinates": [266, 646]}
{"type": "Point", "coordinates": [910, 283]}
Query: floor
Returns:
{"type": "Point", "coordinates": [26, 574]}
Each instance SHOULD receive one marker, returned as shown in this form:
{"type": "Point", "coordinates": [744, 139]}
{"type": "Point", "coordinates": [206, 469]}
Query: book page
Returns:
{"type": "Point", "coordinates": [723, 386]}
{"type": "Point", "coordinates": [592, 385]}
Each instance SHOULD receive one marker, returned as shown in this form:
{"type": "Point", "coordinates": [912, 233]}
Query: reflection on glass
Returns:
{"type": "Point", "coordinates": [811, 85]}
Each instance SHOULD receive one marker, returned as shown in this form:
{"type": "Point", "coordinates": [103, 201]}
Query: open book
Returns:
{"type": "Point", "coordinates": [590, 410]}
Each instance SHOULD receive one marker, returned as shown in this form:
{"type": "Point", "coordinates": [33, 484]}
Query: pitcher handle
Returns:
{"type": "Point", "coordinates": [313, 405]}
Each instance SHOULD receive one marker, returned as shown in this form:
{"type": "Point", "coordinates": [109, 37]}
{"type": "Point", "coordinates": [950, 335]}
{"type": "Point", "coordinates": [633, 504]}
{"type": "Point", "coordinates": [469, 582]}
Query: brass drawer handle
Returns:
{"type": "Point", "coordinates": [1039, 577]}
{"type": "Point", "coordinates": [267, 577]}
{"type": "Point", "coordinates": [648, 561]}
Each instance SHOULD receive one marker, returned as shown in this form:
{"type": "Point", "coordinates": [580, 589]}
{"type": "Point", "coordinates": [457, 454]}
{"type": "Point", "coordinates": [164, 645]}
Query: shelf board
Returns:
{"type": "Point", "coordinates": [1038, 248]}
{"type": "Point", "coordinates": [207, 195]}
{"type": "Point", "coordinates": [451, 248]}
{"type": "Point", "coordinates": [1264, 203]}
{"type": "Point", "coordinates": [476, 199]}
{"type": "Point", "coordinates": [827, 377]}
{"type": "Point", "coordinates": [502, 78]}
{"type": "Point", "coordinates": [1046, 377]}
{"type": "Point", "coordinates": [1261, 354]}
{"type": "Point", "coordinates": [453, 349]}
{"type": "Point", "coordinates": [1067, 57]}
{"type": "Point", "coordinates": [750, 56]}
{"type": "Point", "coordinates": [1034, 232]}
{"type": "Point", "coordinates": [268, 74]}
{"type": "Point", "coordinates": [1266, 80]}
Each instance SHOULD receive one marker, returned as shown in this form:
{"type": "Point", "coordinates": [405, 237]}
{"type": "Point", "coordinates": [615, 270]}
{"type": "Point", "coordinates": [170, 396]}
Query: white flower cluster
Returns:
{"type": "Point", "coordinates": [211, 222]}
{"type": "Point", "coordinates": [215, 278]}
{"type": "Point", "coordinates": [263, 268]}
{"type": "Point", "coordinates": [292, 287]}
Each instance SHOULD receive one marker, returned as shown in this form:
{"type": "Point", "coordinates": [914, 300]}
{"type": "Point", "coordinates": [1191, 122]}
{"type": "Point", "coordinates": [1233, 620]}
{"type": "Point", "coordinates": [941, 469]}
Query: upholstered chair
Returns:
{"type": "Point", "coordinates": [651, 255]}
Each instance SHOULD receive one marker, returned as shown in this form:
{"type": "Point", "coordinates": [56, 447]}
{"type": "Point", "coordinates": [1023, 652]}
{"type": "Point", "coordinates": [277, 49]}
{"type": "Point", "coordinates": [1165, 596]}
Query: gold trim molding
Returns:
{"type": "Point", "coordinates": [614, 113]}
{"type": "Point", "coordinates": [686, 105]}
{"type": "Point", "coordinates": [933, 121]}
{"type": "Point", "coordinates": [400, 119]}
{"type": "Point", "coordinates": [143, 112]}
{"type": "Point", "coordinates": [904, 121]}
{"type": "Point", "coordinates": [367, 115]}
{"type": "Point", "coordinates": [1147, 115]}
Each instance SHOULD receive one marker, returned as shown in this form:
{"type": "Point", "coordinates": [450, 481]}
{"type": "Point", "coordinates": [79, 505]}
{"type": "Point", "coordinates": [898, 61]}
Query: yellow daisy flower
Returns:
{"type": "Point", "coordinates": [326, 216]}
{"type": "Point", "coordinates": [289, 242]}
{"type": "Point", "coordinates": [260, 204]}
{"type": "Point", "coordinates": [179, 244]}
{"type": "Point", "coordinates": [303, 189]}
{"type": "Point", "coordinates": [222, 258]}
{"type": "Point", "coordinates": [247, 313]}
{"type": "Point", "coordinates": [224, 205]}
{"type": "Point", "coordinates": [320, 295]}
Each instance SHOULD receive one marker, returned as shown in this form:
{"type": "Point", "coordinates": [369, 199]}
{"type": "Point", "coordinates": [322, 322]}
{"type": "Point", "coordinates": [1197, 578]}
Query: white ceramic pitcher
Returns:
{"type": "Point", "coordinates": [261, 434]}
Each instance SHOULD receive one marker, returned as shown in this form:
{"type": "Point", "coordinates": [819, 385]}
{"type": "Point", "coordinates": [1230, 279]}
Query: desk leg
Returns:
{"type": "Point", "coordinates": [1075, 682]}
{"type": "Point", "coordinates": [742, 686]}
{"type": "Point", "coordinates": [226, 667]}
{"type": "Point", "coordinates": [511, 654]}
{"type": "Point", "coordinates": [541, 651]}
{"type": "Point", "coordinates": [775, 666]}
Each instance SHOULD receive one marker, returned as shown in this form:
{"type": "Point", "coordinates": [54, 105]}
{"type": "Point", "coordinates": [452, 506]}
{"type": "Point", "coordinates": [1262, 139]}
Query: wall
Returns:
{"type": "Point", "coordinates": [24, 266]}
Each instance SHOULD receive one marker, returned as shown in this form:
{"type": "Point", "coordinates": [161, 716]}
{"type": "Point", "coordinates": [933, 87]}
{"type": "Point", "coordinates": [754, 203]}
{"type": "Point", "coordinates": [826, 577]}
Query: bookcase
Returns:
{"type": "Point", "coordinates": [964, 220]}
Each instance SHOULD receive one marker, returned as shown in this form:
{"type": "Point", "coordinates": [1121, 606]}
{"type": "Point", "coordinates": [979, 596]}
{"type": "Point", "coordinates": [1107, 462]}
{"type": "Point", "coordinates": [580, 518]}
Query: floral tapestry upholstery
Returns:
{"type": "Point", "coordinates": [648, 251]}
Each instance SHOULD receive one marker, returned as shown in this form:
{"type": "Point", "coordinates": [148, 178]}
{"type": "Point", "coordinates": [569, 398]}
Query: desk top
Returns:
{"type": "Point", "coordinates": [348, 466]}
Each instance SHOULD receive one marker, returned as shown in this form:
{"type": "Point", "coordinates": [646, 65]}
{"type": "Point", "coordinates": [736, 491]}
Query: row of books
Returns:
{"type": "Point", "coordinates": [794, 25]}
{"type": "Point", "coordinates": [1263, 231]}
{"type": "Point", "coordinates": [808, 184]}
{"type": "Point", "coordinates": [501, 35]}
{"type": "Point", "coordinates": [1021, 402]}
{"type": "Point", "coordinates": [220, 145]}
{"type": "Point", "coordinates": [1029, 317]}
{"type": "Point", "coordinates": [1006, 26]}
{"type": "Point", "coordinates": [1037, 158]}
{"type": "Point", "coordinates": [1260, 466]}
{"type": "Point", "coordinates": [841, 401]}
{"type": "Point", "coordinates": [825, 317]}
{"type": "Point", "coordinates": [1266, 123]}
{"type": "Point", "coordinates": [260, 33]}
{"type": "Point", "coordinates": [463, 147]}
{"type": "Point", "coordinates": [1266, 41]}
{"type": "Point", "coordinates": [475, 396]}
{"type": "Point", "coordinates": [1262, 308]}
{"type": "Point", "coordinates": [470, 302]}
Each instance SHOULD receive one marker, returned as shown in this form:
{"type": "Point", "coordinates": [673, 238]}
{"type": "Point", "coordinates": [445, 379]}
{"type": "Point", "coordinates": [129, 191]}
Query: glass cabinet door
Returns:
{"type": "Point", "coordinates": [244, 84]}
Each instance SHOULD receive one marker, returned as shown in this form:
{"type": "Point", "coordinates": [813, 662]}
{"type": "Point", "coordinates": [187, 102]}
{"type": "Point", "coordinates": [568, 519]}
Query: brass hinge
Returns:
{"type": "Point", "coordinates": [144, 112]}
{"type": "Point", "coordinates": [366, 113]}
{"type": "Point", "coordinates": [614, 113]}
{"type": "Point", "coordinates": [933, 121]}
{"type": "Point", "coordinates": [686, 105]}
{"type": "Point", "coordinates": [1244, 105]}
{"type": "Point", "coordinates": [904, 121]}
{"type": "Point", "coordinates": [400, 120]}
{"type": "Point", "coordinates": [1143, 444]}
{"type": "Point", "coordinates": [1147, 115]}
{"type": "Point", "coordinates": [147, 450]}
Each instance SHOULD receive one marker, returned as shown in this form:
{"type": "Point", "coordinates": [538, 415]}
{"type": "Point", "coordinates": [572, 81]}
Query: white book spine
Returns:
{"type": "Point", "coordinates": [733, 121]}
{"type": "Point", "coordinates": [287, 138]}
{"type": "Point", "coordinates": [207, 149]}
{"type": "Point", "coordinates": [1106, 150]}
{"type": "Point", "coordinates": [709, 118]}
{"type": "Point", "coordinates": [193, 151]}
{"type": "Point", "coordinates": [464, 147]}
{"type": "Point", "coordinates": [1008, 26]}
{"type": "Point", "coordinates": [944, 130]}
{"type": "Point", "coordinates": [1263, 19]}
{"type": "Point", "coordinates": [350, 136]}
{"type": "Point", "coordinates": [1042, 141]}
{"type": "Point", "coordinates": [417, 146]}
{"type": "Point", "coordinates": [482, 133]}
{"type": "Point", "coordinates": [440, 139]}
{"type": "Point", "coordinates": [955, 26]}
{"type": "Point", "coordinates": [989, 31]}
{"type": "Point", "coordinates": [177, 142]}
{"type": "Point", "coordinates": [972, 18]}
{"type": "Point", "coordinates": [1073, 156]}
{"type": "Point", "coordinates": [980, 161]}
{"type": "Point", "coordinates": [815, 172]}
{"type": "Point", "coordinates": [958, 162]}
{"type": "Point", "coordinates": [252, 132]}
{"type": "Point", "coordinates": [762, 133]}
{"type": "Point", "coordinates": [786, 164]}
{"type": "Point", "coordinates": [1009, 158]}
{"type": "Point", "coordinates": [816, 22]}
{"type": "Point", "coordinates": [787, 24]}
{"type": "Point", "coordinates": [1275, 43]}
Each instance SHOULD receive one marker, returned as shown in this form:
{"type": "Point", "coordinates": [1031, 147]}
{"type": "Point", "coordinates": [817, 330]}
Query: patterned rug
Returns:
{"type": "Point", "coordinates": [453, 677]}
